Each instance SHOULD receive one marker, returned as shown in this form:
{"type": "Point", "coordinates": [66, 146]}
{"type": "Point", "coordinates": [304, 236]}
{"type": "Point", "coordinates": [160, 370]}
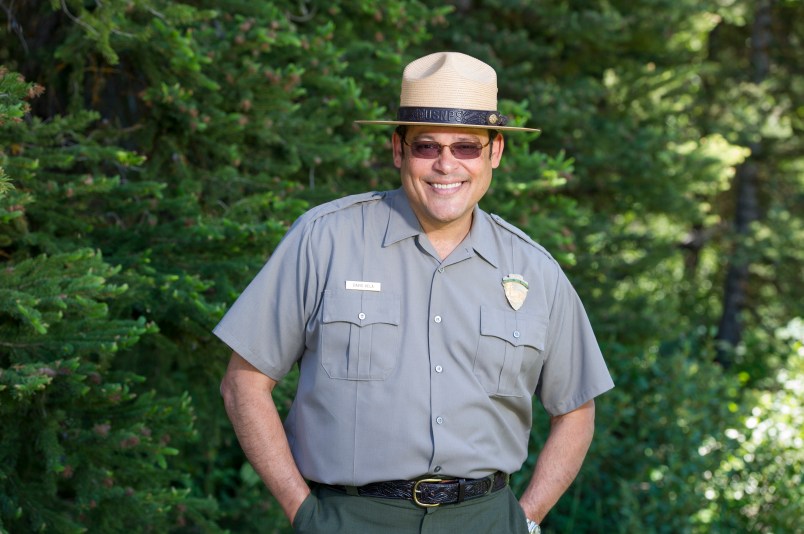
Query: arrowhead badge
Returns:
{"type": "Point", "coordinates": [516, 289]}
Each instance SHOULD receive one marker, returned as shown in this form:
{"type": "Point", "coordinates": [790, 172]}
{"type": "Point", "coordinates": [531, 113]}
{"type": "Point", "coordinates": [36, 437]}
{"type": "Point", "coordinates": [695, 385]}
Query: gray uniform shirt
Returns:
{"type": "Point", "coordinates": [410, 365]}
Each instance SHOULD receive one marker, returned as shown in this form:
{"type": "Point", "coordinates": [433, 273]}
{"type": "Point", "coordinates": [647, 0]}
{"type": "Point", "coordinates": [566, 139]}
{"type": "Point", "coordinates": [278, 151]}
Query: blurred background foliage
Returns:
{"type": "Point", "coordinates": [153, 152]}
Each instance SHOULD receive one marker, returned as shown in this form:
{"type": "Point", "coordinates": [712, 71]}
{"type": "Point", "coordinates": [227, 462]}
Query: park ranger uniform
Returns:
{"type": "Point", "coordinates": [411, 366]}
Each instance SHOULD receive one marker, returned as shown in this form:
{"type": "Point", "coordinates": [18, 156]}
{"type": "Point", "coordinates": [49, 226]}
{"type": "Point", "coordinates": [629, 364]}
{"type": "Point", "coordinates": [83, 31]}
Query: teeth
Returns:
{"type": "Point", "coordinates": [447, 186]}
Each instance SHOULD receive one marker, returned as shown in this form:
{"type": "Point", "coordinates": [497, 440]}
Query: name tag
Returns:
{"type": "Point", "coordinates": [362, 286]}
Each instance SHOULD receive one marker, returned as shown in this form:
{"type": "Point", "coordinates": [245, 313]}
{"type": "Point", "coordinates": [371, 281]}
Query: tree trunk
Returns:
{"type": "Point", "coordinates": [745, 185]}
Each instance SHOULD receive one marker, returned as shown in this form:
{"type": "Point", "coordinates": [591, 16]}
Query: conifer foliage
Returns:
{"type": "Point", "coordinates": [84, 445]}
{"type": "Point", "coordinates": [159, 157]}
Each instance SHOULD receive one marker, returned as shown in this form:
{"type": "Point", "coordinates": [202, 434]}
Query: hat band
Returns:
{"type": "Point", "coordinates": [451, 116]}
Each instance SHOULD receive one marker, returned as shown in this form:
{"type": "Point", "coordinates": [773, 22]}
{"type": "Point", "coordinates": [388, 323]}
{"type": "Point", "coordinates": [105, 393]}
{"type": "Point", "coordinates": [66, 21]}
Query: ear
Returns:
{"type": "Point", "coordinates": [497, 150]}
{"type": "Point", "coordinates": [396, 142]}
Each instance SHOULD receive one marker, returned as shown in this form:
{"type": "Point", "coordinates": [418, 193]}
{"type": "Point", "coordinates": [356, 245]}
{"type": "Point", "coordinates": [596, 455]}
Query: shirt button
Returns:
{"type": "Point", "coordinates": [437, 318]}
{"type": "Point", "coordinates": [437, 469]}
{"type": "Point", "coordinates": [516, 334]}
{"type": "Point", "coordinates": [362, 316]}
{"type": "Point", "coordinates": [441, 269]}
{"type": "Point", "coordinates": [439, 420]}
{"type": "Point", "coordinates": [439, 368]}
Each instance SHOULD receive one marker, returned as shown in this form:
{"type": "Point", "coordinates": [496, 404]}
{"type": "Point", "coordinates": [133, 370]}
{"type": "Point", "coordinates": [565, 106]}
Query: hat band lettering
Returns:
{"type": "Point", "coordinates": [451, 116]}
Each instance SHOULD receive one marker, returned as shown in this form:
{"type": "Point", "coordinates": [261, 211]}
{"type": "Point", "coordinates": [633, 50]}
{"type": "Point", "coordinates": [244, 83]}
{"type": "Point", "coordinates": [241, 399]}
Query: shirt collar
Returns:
{"type": "Point", "coordinates": [403, 224]}
{"type": "Point", "coordinates": [482, 237]}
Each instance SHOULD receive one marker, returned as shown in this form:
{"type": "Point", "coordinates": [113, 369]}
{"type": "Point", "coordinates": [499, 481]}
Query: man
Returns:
{"type": "Point", "coordinates": [422, 327]}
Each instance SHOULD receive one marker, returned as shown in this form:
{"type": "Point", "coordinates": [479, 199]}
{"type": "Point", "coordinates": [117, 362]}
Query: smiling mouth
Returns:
{"type": "Point", "coordinates": [447, 187]}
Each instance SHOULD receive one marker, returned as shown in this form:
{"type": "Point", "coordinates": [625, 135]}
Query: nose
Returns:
{"type": "Point", "coordinates": [445, 162]}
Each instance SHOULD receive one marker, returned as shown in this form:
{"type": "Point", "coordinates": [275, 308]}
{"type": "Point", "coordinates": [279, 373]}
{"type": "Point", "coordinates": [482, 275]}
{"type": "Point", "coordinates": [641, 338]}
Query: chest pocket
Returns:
{"type": "Point", "coordinates": [510, 351]}
{"type": "Point", "coordinates": [359, 334]}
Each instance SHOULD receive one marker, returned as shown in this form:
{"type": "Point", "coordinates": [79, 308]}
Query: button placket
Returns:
{"type": "Point", "coordinates": [437, 352]}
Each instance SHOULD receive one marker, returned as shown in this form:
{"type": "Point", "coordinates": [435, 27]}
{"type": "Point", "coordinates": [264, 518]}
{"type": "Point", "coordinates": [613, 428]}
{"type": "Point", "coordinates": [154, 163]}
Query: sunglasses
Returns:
{"type": "Point", "coordinates": [432, 150]}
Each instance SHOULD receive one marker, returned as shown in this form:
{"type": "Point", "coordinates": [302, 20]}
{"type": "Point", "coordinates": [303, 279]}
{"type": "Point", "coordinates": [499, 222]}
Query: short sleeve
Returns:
{"type": "Point", "coordinates": [266, 324]}
{"type": "Point", "coordinates": [574, 371]}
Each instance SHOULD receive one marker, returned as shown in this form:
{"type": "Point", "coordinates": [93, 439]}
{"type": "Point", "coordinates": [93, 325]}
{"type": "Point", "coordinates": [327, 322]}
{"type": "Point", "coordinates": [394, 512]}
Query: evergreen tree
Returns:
{"type": "Point", "coordinates": [84, 446]}
{"type": "Point", "coordinates": [621, 92]}
{"type": "Point", "coordinates": [192, 134]}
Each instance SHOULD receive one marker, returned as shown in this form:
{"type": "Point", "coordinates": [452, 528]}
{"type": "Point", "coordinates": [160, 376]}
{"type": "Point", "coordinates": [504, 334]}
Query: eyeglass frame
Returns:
{"type": "Point", "coordinates": [401, 131]}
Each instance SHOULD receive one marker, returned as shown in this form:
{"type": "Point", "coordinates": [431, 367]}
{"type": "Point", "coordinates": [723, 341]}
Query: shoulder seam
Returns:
{"type": "Point", "coordinates": [502, 223]}
{"type": "Point", "coordinates": [327, 208]}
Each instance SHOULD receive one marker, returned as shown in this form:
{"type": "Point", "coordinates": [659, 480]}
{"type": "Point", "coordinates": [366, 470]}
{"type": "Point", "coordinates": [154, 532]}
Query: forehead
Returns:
{"type": "Point", "coordinates": [433, 132]}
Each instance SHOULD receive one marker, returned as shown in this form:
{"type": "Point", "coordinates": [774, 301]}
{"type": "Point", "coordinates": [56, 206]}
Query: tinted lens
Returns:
{"type": "Point", "coordinates": [431, 150]}
{"type": "Point", "coordinates": [425, 150]}
{"type": "Point", "coordinates": [466, 150]}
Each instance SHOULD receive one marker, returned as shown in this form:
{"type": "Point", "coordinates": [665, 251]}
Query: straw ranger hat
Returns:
{"type": "Point", "coordinates": [450, 89]}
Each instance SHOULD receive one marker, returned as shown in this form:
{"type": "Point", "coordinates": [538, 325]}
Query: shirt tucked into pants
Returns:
{"type": "Point", "coordinates": [326, 511]}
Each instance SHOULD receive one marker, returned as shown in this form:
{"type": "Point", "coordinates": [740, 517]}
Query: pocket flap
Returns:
{"type": "Point", "coordinates": [360, 308]}
{"type": "Point", "coordinates": [514, 327]}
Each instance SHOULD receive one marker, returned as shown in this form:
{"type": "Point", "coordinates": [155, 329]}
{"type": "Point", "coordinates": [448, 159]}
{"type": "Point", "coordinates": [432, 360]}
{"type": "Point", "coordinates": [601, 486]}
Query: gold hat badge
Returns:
{"type": "Point", "coordinates": [516, 289]}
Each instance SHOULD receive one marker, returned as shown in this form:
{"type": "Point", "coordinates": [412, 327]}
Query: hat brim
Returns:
{"type": "Point", "coordinates": [451, 125]}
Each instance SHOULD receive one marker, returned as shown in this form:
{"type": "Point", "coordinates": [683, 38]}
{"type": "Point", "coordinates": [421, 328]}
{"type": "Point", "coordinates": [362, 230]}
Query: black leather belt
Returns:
{"type": "Point", "coordinates": [429, 492]}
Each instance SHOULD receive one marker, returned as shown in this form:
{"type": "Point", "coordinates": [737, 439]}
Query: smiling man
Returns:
{"type": "Point", "coordinates": [445, 177]}
{"type": "Point", "coordinates": [423, 327]}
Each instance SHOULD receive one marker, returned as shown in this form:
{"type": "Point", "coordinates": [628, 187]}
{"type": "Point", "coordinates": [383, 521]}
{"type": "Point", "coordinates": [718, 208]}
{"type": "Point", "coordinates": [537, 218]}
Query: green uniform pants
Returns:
{"type": "Point", "coordinates": [327, 511]}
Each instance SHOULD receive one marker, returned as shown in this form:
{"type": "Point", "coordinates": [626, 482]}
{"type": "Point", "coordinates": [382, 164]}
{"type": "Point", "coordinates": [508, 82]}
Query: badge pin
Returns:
{"type": "Point", "coordinates": [516, 289]}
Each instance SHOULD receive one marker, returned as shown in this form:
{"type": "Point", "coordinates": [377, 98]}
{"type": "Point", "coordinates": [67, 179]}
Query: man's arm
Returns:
{"type": "Point", "coordinates": [559, 461]}
{"type": "Point", "coordinates": [247, 397]}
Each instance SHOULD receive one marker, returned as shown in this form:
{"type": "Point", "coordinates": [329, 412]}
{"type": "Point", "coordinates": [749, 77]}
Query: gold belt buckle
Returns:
{"type": "Point", "coordinates": [416, 490]}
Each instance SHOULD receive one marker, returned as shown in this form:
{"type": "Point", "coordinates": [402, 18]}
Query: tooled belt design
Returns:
{"type": "Point", "coordinates": [429, 491]}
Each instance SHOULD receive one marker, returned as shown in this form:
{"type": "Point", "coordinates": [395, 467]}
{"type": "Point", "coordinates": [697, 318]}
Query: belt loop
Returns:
{"type": "Point", "coordinates": [351, 490]}
{"type": "Point", "coordinates": [491, 478]}
{"type": "Point", "coordinates": [461, 489]}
